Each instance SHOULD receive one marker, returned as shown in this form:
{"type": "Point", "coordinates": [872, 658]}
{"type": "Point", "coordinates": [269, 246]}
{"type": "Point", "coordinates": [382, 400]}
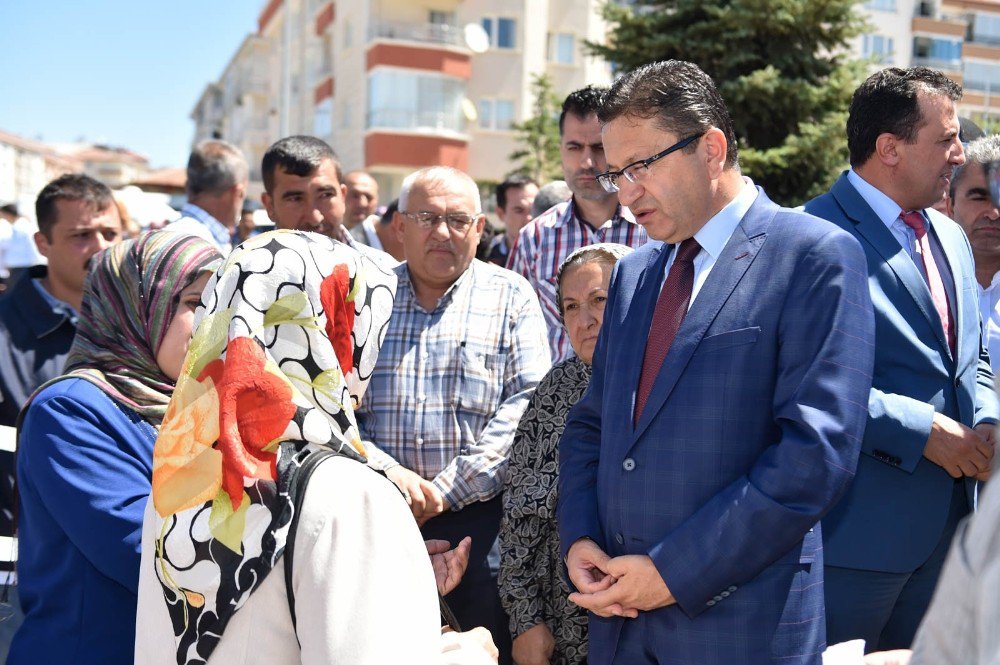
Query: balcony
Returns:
{"type": "Point", "coordinates": [420, 121]}
{"type": "Point", "coordinates": [939, 26]}
{"type": "Point", "coordinates": [438, 34]}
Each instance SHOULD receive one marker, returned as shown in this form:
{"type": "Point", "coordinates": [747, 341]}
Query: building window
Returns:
{"type": "Point", "coordinates": [496, 114]}
{"type": "Point", "coordinates": [937, 52]}
{"type": "Point", "coordinates": [881, 5]}
{"type": "Point", "coordinates": [403, 99]}
{"type": "Point", "coordinates": [562, 47]}
{"type": "Point", "coordinates": [501, 31]}
{"type": "Point", "coordinates": [878, 47]}
{"type": "Point", "coordinates": [986, 28]}
{"type": "Point", "coordinates": [323, 118]}
{"type": "Point", "coordinates": [981, 76]}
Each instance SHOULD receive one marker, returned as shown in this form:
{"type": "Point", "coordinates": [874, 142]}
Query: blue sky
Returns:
{"type": "Point", "coordinates": [124, 72]}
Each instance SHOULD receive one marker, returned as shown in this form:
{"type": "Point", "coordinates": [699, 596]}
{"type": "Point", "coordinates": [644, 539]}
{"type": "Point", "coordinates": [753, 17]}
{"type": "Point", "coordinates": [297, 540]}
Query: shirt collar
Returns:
{"type": "Point", "coordinates": [43, 312]}
{"type": "Point", "coordinates": [406, 283]}
{"type": "Point", "coordinates": [621, 216]}
{"type": "Point", "coordinates": [717, 231]}
{"type": "Point", "coordinates": [217, 228]}
{"type": "Point", "coordinates": [885, 208]}
{"type": "Point", "coordinates": [993, 284]}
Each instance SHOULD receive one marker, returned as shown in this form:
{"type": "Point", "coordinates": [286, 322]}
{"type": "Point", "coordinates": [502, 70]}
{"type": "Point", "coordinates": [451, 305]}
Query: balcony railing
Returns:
{"type": "Point", "coordinates": [430, 33]}
{"type": "Point", "coordinates": [409, 120]}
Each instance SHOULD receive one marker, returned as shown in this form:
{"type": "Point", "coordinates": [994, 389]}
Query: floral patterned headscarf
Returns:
{"type": "Point", "coordinates": [282, 355]}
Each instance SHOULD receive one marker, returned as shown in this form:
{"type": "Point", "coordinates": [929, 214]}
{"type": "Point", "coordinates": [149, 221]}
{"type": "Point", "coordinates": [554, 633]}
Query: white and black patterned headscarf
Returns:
{"type": "Point", "coordinates": [281, 357]}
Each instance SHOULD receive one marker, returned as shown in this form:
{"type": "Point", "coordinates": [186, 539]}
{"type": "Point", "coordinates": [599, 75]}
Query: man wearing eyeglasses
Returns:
{"type": "Point", "coordinates": [592, 216]}
{"type": "Point", "coordinates": [463, 351]}
{"type": "Point", "coordinates": [728, 399]}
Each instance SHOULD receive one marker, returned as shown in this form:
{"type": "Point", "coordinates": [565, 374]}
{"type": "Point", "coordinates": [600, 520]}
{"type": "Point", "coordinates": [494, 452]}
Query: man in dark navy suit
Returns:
{"type": "Point", "coordinates": [932, 407]}
{"type": "Point", "coordinates": [727, 404]}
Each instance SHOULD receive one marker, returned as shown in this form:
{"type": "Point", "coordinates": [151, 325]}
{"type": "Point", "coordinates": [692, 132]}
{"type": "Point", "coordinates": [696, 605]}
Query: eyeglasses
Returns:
{"type": "Point", "coordinates": [458, 222]}
{"type": "Point", "coordinates": [636, 171]}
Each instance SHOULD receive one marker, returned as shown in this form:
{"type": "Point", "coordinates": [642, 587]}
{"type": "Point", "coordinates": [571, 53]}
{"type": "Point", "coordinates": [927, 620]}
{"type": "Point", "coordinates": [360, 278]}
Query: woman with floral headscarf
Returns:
{"type": "Point", "coordinates": [281, 357]}
{"type": "Point", "coordinates": [85, 451]}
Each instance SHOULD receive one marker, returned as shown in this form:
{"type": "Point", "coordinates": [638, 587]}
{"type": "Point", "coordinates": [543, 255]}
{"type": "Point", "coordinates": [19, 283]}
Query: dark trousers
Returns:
{"type": "Point", "coordinates": [885, 609]}
{"type": "Point", "coordinates": [476, 600]}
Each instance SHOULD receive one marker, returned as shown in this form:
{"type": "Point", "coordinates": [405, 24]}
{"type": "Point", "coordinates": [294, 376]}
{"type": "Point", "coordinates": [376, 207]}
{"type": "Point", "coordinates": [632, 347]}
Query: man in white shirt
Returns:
{"type": "Point", "coordinates": [216, 187]}
{"type": "Point", "coordinates": [971, 206]}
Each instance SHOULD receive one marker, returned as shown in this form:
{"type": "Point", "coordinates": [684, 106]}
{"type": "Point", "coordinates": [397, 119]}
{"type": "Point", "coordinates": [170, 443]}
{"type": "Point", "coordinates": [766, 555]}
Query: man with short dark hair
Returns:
{"type": "Point", "coordinates": [304, 190]}
{"type": "Point", "coordinates": [591, 216]}
{"type": "Point", "coordinates": [969, 203]}
{"type": "Point", "coordinates": [932, 408]}
{"type": "Point", "coordinates": [216, 187]}
{"type": "Point", "coordinates": [726, 404]}
{"type": "Point", "coordinates": [515, 196]}
{"type": "Point", "coordinates": [77, 217]}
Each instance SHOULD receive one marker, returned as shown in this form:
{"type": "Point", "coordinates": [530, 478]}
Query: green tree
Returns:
{"type": "Point", "coordinates": [782, 67]}
{"type": "Point", "coordinates": [538, 136]}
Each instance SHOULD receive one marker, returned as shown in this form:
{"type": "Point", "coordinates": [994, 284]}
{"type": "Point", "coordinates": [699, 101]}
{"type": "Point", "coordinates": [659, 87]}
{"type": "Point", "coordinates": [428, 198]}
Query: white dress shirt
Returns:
{"type": "Point", "coordinates": [714, 235]}
{"type": "Point", "coordinates": [989, 299]}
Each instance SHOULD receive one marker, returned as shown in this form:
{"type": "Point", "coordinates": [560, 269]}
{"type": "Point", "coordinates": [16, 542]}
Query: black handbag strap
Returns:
{"type": "Point", "coordinates": [298, 494]}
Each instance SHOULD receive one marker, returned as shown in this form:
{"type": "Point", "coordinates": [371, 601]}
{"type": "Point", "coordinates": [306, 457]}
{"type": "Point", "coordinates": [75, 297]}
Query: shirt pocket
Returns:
{"type": "Point", "coordinates": [480, 384]}
{"type": "Point", "coordinates": [728, 339]}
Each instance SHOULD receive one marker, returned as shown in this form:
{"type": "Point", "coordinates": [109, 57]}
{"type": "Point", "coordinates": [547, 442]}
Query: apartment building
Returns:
{"type": "Point", "coordinates": [959, 37]}
{"type": "Point", "coordinates": [395, 85]}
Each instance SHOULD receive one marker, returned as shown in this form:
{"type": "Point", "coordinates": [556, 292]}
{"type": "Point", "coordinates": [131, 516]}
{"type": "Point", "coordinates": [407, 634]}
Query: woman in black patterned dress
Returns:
{"type": "Point", "coordinates": [547, 628]}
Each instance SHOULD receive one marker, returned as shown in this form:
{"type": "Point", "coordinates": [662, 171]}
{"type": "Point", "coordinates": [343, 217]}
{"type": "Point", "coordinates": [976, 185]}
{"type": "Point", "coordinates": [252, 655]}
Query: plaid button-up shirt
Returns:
{"type": "Point", "coordinates": [545, 242]}
{"type": "Point", "coordinates": [450, 385]}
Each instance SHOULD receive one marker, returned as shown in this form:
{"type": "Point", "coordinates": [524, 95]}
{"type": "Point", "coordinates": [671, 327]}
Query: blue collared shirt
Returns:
{"type": "Point", "coordinates": [450, 384]}
{"type": "Point", "coordinates": [195, 221]}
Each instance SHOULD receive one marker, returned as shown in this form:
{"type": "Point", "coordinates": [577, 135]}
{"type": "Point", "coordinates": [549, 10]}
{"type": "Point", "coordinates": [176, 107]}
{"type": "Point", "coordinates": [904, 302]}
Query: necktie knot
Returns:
{"type": "Point", "coordinates": [915, 221]}
{"type": "Point", "coordinates": [687, 250]}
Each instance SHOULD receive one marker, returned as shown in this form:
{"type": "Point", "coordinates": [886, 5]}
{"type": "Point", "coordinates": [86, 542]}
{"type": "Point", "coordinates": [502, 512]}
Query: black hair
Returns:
{"type": "Point", "coordinates": [887, 102]}
{"type": "Point", "coordinates": [69, 187]}
{"type": "Point", "coordinates": [582, 103]}
{"type": "Point", "coordinates": [678, 96]}
{"type": "Point", "coordinates": [513, 182]}
{"type": "Point", "coordinates": [299, 156]}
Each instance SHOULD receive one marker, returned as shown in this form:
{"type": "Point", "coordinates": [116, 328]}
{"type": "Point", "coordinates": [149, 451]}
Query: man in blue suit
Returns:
{"type": "Point", "coordinates": [932, 406]}
{"type": "Point", "coordinates": [727, 404]}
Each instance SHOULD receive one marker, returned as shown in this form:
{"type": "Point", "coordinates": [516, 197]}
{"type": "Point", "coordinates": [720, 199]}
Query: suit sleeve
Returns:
{"type": "Point", "coordinates": [900, 425]}
{"type": "Point", "coordinates": [826, 352]}
{"type": "Point", "coordinates": [580, 447]}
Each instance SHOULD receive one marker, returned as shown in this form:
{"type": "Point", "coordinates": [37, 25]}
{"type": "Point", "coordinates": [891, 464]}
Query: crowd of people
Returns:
{"type": "Point", "coordinates": [656, 418]}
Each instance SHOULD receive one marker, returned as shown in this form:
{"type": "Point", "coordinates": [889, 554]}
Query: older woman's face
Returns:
{"type": "Point", "coordinates": [584, 292]}
{"type": "Point", "coordinates": [175, 342]}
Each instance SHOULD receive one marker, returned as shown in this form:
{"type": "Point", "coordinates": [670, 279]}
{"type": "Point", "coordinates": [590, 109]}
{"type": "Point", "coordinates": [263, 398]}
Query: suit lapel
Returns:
{"type": "Point", "coordinates": [878, 235]}
{"type": "Point", "coordinates": [737, 256]}
{"type": "Point", "coordinates": [950, 246]}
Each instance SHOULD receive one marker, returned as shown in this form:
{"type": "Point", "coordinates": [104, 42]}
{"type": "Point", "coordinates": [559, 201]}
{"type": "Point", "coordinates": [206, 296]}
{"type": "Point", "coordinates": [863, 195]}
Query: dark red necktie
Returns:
{"type": "Point", "coordinates": [915, 221]}
{"type": "Point", "coordinates": [671, 306]}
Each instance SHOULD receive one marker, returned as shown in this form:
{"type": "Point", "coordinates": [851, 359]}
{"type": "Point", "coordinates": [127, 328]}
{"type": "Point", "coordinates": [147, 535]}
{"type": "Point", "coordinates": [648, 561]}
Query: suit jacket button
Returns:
{"type": "Point", "coordinates": [958, 381]}
{"type": "Point", "coordinates": [628, 464]}
{"type": "Point", "coordinates": [710, 603]}
{"type": "Point", "coordinates": [620, 539]}
{"type": "Point", "coordinates": [731, 589]}
{"type": "Point", "coordinates": [724, 594]}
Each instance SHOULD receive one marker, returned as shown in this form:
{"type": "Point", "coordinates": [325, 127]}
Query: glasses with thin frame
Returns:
{"type": "Point", "coordinates": [458, 222]}
{"type": "Point", "coordinates": [636, 171]}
